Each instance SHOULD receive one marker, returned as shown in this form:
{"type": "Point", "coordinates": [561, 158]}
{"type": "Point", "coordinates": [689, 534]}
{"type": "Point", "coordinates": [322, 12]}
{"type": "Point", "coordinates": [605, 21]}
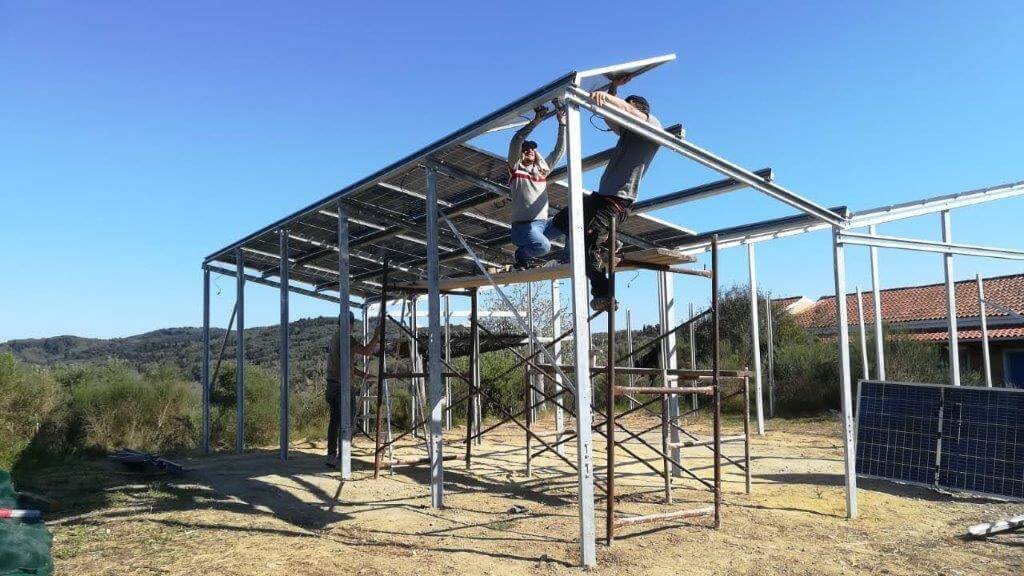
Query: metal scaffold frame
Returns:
{"type": "Point", "coordinates": [384, 253]}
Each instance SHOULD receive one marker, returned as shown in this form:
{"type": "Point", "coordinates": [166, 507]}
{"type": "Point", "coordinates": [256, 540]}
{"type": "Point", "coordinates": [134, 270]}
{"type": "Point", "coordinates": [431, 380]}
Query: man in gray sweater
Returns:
{"type": "Point", "coordinates": [617, 191]}
{"type": "Point", "coordinates": [527, 179]}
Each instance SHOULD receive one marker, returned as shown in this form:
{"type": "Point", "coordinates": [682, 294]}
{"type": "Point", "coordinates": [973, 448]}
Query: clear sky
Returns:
{"type": "Point", "coordinates": [137, 137]}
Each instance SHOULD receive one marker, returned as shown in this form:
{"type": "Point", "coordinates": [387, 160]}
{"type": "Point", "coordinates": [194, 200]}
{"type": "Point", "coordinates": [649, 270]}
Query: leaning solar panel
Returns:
{"type": "Point", "coordinates": [983, 440]}
{"type": "Point", "coordinates": [897, 425]}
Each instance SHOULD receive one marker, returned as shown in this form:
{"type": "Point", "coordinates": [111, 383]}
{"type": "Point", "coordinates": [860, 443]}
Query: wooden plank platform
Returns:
{"type": "Point", "coordinates": [628, 261]}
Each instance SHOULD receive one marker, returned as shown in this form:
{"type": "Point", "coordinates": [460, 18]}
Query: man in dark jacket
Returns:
{"type": "Point", "coordinates": [334, 367]}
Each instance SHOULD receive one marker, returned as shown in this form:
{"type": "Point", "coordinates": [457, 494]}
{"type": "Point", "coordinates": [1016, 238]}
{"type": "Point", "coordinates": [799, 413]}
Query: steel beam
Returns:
{"type": "Point", "coordinates": [929, 246]}
{"type": "Point", "coordinates": [240, 353]}
{"type": "Point", "coordinates": [694, 193]}
{"type": "Point", "coordinates": [986, 358]}
{"type": "Point", "coordinates": [684, 148]}
{"type": "Point", "coordinates": [935, 204]}
{"type": "Point", "coordinates": [954, 335]}
{"type": "Point", "coordinates": [876, 295]}
{"type": "Point", "coordinates": [755, 339]}
{"type": "Point", "coordinates": [842, 325]}
{"type": "Point", "coordinates": [581, 360]}
{"type": "Point", "coordinates": [345, 407]}
{"type": "Point", "coordinates": [206, 361]}
{"type": "Point", "coordinates": [436, 384]}
{"type": "Point", "coordinates": [283, 352]}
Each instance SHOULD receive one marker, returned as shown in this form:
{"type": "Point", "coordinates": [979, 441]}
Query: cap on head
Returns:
{"type": "Point", "coordinates": [640, 103]}
{"type": "Point", "coordinates": [529, 145]}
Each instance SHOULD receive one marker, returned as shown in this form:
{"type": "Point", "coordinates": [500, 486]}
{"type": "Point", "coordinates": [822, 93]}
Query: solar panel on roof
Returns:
{"type": "Point", "coordinates": [954, 437]}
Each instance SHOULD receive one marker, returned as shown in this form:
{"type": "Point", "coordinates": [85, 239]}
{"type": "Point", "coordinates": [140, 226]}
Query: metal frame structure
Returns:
{"type": "Point", "coordinates": [384, 233]}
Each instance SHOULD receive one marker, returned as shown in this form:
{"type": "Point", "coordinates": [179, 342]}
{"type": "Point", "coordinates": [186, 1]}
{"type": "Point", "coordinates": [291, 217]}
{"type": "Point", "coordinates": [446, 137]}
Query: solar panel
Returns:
{"type": "Point", "coordinates": [952, 437]}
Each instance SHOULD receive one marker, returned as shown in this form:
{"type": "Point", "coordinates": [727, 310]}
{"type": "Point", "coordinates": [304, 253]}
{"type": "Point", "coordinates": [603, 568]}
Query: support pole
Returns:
{"type": "Point", "coordinates": [381, 369]}
{"type": "Point", "coordinates": [448, 360]}
{"type": "Point", "coordinates": [986, 358]}
{"type": "Point", "coordinates": [556, 354]}
{"type": "Point", "coordinates": [954, 336]}
{"type": "Point", "coordinates": [755, 339]}
{"type": "Point", "coordinates": [206, 361]}
{"type": "Point", "coordinates": [610, 386]}
{"type": "Point", "coordinates": [843, 333]}
{"type": "Point", "coordinates": [666, 418]}
{"type": "Point", "coordinates": [629, 349]}
{"type": "Point", "coordinates": [528, 400]}
{"type": "Point", "coordinates": [693, 354]}
{"type": "Point", "coordinates": [770, 321]}
{"type": "Point", "coordinates": [666, 319]}
{"type": "Point", "coordinates": [877, 297]}
{"type": "Point", "coordinates": [283, 353]}
{"type": "Point", "coordinates": [865, 373]}
{"type": "Point", "coordinates": [435, 392]}
{"type": "Point", "coordinates": [716, 337]}
{"type": "Point", "coordinates": [581, 361]}
{"type": "Point", "coordinates": [474, 358]}
{"type": "Point", "coordinates": [240, 354]}
{"type": "Point", "coordinates": [345, 406]}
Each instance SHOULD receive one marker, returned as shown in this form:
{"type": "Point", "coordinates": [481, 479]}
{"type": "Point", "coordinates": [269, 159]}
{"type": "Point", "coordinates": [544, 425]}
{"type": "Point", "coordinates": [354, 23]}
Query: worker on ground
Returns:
{"type": "Point", "coordinates": [617, 191]}
{"type": "Point", "coordinates": [527, 179]}
{"type": "Point", "coordinates": [333, 391]}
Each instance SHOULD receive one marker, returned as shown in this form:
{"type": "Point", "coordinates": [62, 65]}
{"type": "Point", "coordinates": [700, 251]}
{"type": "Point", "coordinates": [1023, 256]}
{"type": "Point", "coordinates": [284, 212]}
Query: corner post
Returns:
{"type": "Point", "coordinates": [206, 361]}
{"type": "Point", "coordinates": [283, 352]}
{"type": "Point", "coordinates": [876, 296]}
{"type": "Point", "coordinates": [667, 319]}
{"type": "Point", "coordinates": [954, 337]}
{"type": "Point", "coordinates": [435, 392]}
{"type": "Point", "coordinates": [345, 407]}
{"type": "Point", "coordinates": [240, 353]}
{"type": "Point", "coordinates": [581, 362]}
{"type": "Point", "coordinates": [755, 338]}
{"type": "Point", "coordinates": [843, 339]}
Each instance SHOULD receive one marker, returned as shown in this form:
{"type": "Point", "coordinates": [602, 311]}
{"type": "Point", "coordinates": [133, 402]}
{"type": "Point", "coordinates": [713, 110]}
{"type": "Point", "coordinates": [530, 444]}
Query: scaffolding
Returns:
{"type": "Point", "coordinates": [435, 224]}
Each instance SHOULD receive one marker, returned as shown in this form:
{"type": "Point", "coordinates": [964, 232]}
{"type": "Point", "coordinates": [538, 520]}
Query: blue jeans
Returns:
{"type": "Point", "coordinates": [533, 238]}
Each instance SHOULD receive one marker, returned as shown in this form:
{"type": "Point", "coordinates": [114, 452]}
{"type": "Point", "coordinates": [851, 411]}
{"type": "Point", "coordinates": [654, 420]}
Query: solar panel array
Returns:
{"type": "Point", "coordinates": [954, 437]}
{"type": "Point", "coordinates": [387, 220]}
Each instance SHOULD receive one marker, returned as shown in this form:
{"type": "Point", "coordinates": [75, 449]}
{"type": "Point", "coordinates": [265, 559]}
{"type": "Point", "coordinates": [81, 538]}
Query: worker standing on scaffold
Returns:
{"type": "Point", "coordinates": [333, 391]}
{"type": "Point", "coordinates": [527, 179]}
{"type": "Point", "coordinates": [617, 191]}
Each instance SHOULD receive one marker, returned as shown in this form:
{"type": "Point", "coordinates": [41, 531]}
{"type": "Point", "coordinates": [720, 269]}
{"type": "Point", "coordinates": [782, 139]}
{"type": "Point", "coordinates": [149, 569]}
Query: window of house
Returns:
{"type": "Point", "coordinates": [1013, 365]}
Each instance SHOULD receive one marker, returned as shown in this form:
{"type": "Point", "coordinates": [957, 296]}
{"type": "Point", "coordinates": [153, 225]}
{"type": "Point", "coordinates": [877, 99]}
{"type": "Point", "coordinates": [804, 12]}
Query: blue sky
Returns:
{"type": "Point", "coordinates": [135, 138]}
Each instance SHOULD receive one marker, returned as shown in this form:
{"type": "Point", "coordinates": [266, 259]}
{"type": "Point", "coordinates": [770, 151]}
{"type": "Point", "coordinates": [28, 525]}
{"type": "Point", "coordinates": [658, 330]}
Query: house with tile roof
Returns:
{"type": "Point", "coordinates": [919, 313]}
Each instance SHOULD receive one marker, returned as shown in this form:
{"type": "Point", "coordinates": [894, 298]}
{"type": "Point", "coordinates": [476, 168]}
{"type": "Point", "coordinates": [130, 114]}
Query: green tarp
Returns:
{"type": "Point", "coordinates": [24, 546]}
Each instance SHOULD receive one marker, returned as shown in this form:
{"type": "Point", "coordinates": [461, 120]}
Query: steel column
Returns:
{"type": "Point", "coordinates": [381, 370]}
{"type": "Point", "coordinates": [206, 361]}
{"type": "Point", "coordinates": [283, 352]}
{"type": "Point", "coordinates": [667, 321]}
{"type": "Point", "coordinates": [770, 325]}
{"type": "Point", "coordinates": [755, 339]}
{"type": "Point", "coordinates": [716, 344]}
{"type": "Point", "coordinates": [877, 297]}
{"type": "Point", "coordinates": [693, 352]}
{"type": "Point", "coordinates": [240, 355]}
{"type": "Point", "coordinates": [954, 336]}
{"type": "Point", "coordinates": [581, 362]}
{"type": "Point", "coordinates": [984, 333]}
{"type": "Point", "coordinates": [531, 412]}
{"type": "Point", "coordinates": [610, 387]}
{"type": "Point", "coordinates": [843, 333]}
{"type": "Point", "coordinates": [448, 360]}
{"type": "Point", "coordinates": [345, 348]}
{"type": "Point", "coordinates": [556, 354]}
{"type": "Point", "coordinates": [474, 374]}
{"type": "Point", "coordinates": [629, 349]}
{"type": "Point", "coordinates": [865, 373]}
{"type": "Point", "coordinates": [666, 416]}
{"type": "Point", "coordinates": [436, 383]}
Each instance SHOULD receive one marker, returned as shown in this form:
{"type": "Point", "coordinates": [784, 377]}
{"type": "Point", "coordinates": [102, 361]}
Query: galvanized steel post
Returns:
{"type": "Point", "coordinates": [283, 352]}
{"type": "Point", "coordinates": [345, 347]}
{"type": "Point", "coordinates": [240, 353]}
{"type": "Point", "coordinates": [435, 392]}
{"type": "Point", "coordinates": [843, 339]}
{"type": "Point", "coordinates": [986, 358]}
{"type": "Point", "coordinates": [877, 297]}
{"type": "Point", "coordinates": [206, 361]}
{"type": "Point", "coordinates": [755, 338]}
{"type": "Point", "coordinates": [954, 337]}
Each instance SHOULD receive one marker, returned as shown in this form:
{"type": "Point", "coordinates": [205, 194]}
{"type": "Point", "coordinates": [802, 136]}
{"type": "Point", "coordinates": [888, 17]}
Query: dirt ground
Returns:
{"type": "Point", "coordinates": [254, 514]}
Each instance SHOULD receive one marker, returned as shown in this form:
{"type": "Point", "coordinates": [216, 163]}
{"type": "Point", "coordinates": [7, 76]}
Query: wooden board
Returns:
{"type": "Point", "coordinates": [629, 261]}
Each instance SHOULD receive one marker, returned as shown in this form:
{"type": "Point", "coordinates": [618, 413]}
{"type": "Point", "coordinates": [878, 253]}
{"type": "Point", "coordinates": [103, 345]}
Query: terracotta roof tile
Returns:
{"type": "Point", "coordinates": [1015, 333]}
{"type": "Point", "coordinates": [921, 302]}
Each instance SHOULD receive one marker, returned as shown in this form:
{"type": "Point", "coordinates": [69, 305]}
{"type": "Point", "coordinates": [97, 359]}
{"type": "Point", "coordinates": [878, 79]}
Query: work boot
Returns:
{"type": "Point", "coordinates": [527, 264]}
{"type": "Point", "coordinates": [331, 462]}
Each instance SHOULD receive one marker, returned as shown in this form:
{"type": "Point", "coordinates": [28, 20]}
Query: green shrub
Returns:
{"type": "Point", "coordinates": [32, 404]}
{"type": "Point", "coordinates": [116, 407]}
{"type": "Point", "coordinates": [262, 405]}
